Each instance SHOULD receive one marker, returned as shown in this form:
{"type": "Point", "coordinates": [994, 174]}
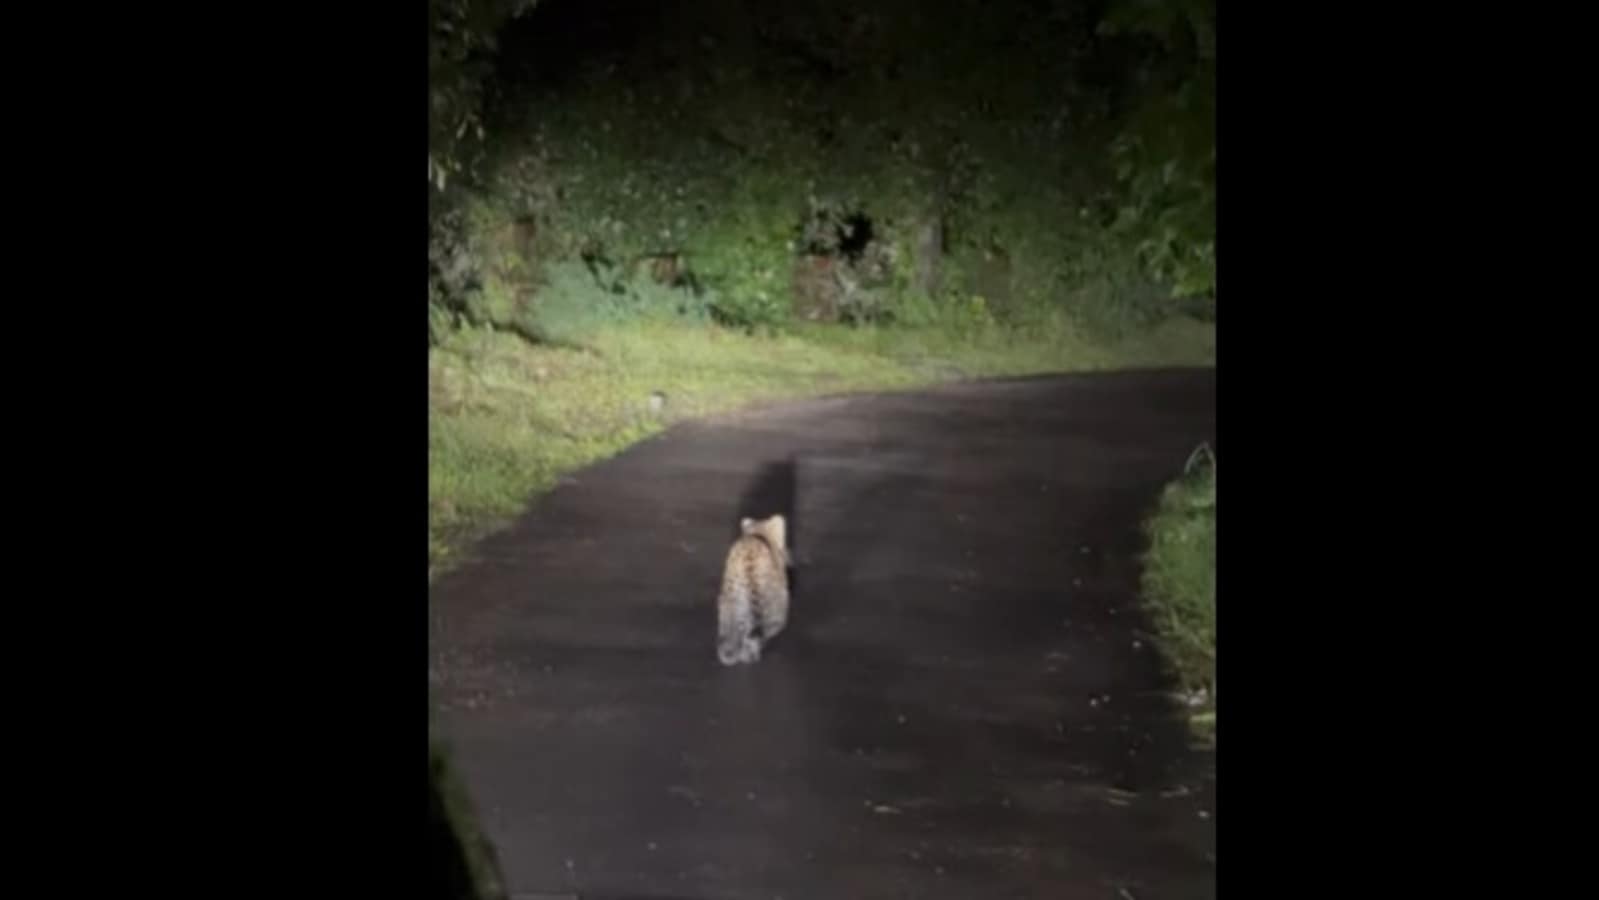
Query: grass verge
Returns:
{"type": "Point", "coordinates": [1179, 587]}
{"type": "Point", "coordinates": [507, 419]}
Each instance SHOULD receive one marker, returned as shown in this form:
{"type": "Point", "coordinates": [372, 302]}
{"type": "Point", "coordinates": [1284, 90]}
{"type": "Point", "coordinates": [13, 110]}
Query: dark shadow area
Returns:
{"type": "Point", "coordinates": [551, 46]}
{"type": "Point", "coordinates": [829, 563]}
{"type": "Point", "coordinates": [856, 234]}
{"type": "Point", "coordinates": [773, 492]}
{"type": "Point", "coordinates": [843, 236]}
{"type": "Point", "coordinates": [449, 873]}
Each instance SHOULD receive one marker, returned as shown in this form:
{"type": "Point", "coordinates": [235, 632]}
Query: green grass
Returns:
{"type": "Point", "coordinates": [1179, 585]}
{"type": "Point", "coordinates": [508, 419]}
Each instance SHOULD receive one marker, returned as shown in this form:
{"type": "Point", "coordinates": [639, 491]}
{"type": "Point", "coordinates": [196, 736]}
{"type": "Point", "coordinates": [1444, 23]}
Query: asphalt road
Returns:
{"type": "Point", "coordinates": [966, 703]}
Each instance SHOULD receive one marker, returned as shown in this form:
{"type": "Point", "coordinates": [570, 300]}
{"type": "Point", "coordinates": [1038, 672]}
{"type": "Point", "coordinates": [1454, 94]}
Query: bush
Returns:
{"type": "Point", "coordinates": [1179, 578]}
{"type": "Point", "coordinates": [693, 136]}
{"type": "Point", "coordinates": [1165, 152]}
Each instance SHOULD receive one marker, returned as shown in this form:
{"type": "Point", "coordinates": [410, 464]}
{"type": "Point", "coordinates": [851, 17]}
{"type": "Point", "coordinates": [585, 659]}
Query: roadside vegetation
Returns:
{"type": "Point", "coordinates": [1179, 584]}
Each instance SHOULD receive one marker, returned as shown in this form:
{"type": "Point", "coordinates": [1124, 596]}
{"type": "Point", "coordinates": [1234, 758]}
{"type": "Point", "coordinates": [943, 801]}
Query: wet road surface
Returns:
{"type": "Point", "coordinates": [965, 704]}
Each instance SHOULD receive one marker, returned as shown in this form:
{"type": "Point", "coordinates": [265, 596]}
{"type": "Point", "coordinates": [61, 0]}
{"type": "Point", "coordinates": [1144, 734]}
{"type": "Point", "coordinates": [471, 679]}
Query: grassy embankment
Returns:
{"type": "Point", "coordinates": [1179, 586]}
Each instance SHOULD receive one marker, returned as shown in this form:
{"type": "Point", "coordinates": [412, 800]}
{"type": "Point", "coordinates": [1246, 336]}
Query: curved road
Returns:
{"type": "Point", "coordinates": [965, 704]}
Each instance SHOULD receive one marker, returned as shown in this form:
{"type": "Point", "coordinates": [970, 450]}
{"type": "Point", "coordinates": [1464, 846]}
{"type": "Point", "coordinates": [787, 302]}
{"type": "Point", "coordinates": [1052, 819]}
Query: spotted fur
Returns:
{"type": "Point", "coordinates": [753, 605]}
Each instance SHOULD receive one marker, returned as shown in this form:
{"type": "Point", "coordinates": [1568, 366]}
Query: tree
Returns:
{"type": "Point", "coordinates": [461, 46]}
{"type": "Point", "coordinates": [1166, 150]}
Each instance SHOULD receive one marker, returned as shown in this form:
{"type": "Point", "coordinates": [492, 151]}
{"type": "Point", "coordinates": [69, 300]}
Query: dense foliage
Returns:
{"type": "Point", "coordinates": [823, 161]}
{"type": "Point", "coordinates": [1166, 152]}
{"type": "Point", "coordinates": [462, 41]}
